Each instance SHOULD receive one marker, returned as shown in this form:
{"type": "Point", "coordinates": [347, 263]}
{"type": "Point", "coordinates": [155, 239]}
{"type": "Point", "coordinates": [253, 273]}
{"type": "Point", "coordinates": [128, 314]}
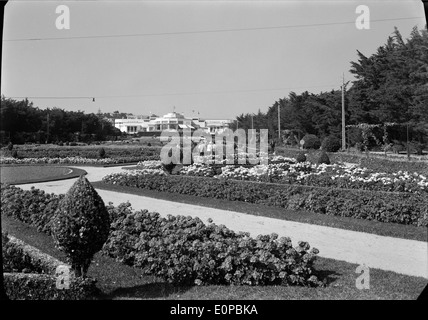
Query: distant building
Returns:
{"type": "Point", "coordinates": [170, 121]}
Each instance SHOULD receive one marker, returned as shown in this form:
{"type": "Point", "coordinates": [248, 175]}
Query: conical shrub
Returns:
{"type": "Point", "coordinates": [80, 225]}
{"type": "Point", "coordinates": [301, 157]}
{"type": "Point", "coordinates": [323, 159]}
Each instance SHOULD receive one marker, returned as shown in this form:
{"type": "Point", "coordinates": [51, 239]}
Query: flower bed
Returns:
{"type": "Point", "coordinates": [183, 250]}
{"type": "Point", "coordinates": [404, 208]}
{"type": "Point", "coordinates": [375, 163]}
{"type": "Point", "coordinates": [305, 173]}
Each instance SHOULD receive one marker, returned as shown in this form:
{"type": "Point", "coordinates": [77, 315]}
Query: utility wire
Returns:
{"type": "Point", "coordinates": [174, 94]}
{"type": "Point", "coordinates": [203, 31]}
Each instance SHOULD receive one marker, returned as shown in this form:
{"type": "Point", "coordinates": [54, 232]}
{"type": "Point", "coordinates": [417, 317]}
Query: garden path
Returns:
{"type": "Point", "coordinates": [403, 256]}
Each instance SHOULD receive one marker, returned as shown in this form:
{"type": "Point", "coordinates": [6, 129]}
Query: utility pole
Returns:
{"type": "Point", "coordinates": [279, 123]}
{"type": "Point", "coordinates": [47, 127]}
{"type": "Point", "coordinates": [343, 114]}
{"type": "Point", "coordinates": [407, 145]}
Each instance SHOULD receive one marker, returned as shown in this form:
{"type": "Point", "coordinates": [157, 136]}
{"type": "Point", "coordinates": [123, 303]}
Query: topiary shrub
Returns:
{"type": "Point", "coordinates": [311, 141]}
{"type": "Point", "coordinates": [323, 159]}
{"type": "Point", "coordinates": [301, 157]}
{"type": "Point", "coordinates": [331, 144]}
{"type": "Point", "coordinates": [81, 225]}
{"type": "Point", "coordinates": [101, 153]}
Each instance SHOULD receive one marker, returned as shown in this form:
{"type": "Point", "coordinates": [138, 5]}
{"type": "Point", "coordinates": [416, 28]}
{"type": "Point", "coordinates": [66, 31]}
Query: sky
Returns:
{"type": "Point", "coordinates": [216, 58]}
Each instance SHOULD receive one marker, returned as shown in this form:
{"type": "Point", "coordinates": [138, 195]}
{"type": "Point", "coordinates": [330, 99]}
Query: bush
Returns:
{"type": "Point", "coordinates": [331, 144]}
{"type": "Point", "coordinates": [184, 251]}
{"type": "Point", "coordinates": [22, 286]}
{"type": "Point", "coordinates": [323, 159]}
{"type": "Point", "coordinates": [101, 153]}
{"type": "Point", "coordinates": [311, 142]}
{"type": "Point", "coordinates": [10, 146]}
{"type": "Point", "coordinates": [403, 208]}
{"type": "Point", "coordinates": [301, 157]}
{"type": "Point", "coordinates": [15, 154]}
{"type": "Point", "coordinates": [80, 225]}
{"type": "Point", "coordinates": [73, 144]}
{"type": "Point", "coordinates": [30, 274]}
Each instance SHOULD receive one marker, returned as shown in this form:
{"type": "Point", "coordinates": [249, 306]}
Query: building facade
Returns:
{"type": "Point", "coordinates": [170, 121]}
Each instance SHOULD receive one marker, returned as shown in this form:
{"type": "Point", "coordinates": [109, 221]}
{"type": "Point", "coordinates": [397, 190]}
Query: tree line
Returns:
{"type": "Point", "coordinates": [21, 122]}
{"type": "Point", "coordinates": [391, 87]}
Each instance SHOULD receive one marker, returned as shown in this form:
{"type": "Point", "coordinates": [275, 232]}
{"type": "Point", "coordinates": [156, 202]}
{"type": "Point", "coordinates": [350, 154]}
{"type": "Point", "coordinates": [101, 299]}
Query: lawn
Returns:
{"type": "Point", "coordinates": [380, 228]}
{"type": "Point", "coordinates": [118, 281]}
{"type": "Point", "coordinates": [32, 174]}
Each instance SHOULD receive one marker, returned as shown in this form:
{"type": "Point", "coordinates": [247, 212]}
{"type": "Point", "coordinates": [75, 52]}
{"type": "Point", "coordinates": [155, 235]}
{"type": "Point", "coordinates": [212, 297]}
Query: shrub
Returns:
{"type": "Point", "coordinates": [324, 159]}
{"type": "Point", "coordinates": [73, 144]}
{"type": "Point", "coordinates": [311, 142]}
{"type": "Point", "coordinates": [22, 286]}
{"type": "Point", "coordinates": [15, 154]}
{"type": "Point", "coordinates": [10, 146]}
{"type": "Point", "coordinates": [301, 157]}
{"type": "Point", "coordinates": [149, 144]}
{"type": "Point", "coordinates": [184, 251]}
{"type": "Point", "coordinates": [101, 153]}
{"type": "Point", "coordinates": [80, 225]}
{"type": "Point", "coordinates": [331, 144]}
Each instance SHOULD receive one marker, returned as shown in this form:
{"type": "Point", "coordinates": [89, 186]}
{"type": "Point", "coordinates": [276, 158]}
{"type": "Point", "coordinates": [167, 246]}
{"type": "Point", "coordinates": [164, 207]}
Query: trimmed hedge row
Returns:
{"type": "Point", "coordinates": [134, 154]}
{"type": "Point", "coordinates": [403, 208]}
{"type": "Point", "coordinates": [22, 286]}
{"type": "Point", "coordinates": [21, 257]}
{"type": "Point", "coordinates": [30, 275]}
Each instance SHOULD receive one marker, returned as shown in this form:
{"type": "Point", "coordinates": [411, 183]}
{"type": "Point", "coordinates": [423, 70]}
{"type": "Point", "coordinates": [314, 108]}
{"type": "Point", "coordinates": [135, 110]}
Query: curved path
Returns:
{"type": "Point", "coordinates": [408, 257]}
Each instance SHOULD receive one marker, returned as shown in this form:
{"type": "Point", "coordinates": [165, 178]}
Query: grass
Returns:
{"type": "Point", "coordinates": [374, 227]}
{"type": "Point", "coordinates": [118, 281]}
{"type": "Point", "coordinates": [33, 174]}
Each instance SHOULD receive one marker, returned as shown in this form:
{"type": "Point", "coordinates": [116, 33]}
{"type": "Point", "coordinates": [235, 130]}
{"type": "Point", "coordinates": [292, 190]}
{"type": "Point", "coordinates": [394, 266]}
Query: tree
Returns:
{"type": "Point", "coordinates": [80, 225]}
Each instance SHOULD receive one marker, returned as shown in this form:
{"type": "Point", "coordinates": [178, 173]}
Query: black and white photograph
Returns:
{"type": "Point", "coordinates": [206, 158]}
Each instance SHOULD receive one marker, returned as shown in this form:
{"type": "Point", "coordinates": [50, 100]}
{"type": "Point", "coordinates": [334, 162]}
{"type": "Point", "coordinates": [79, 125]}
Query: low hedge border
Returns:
{"type": "Point", "coordinates": [401, 208]}
{"type": "Point", "coordinates": [31, 286]}
{"type": "Point", "coordinates": [38, 259]}
{"type": "Point", "coordinates": [42, 286]}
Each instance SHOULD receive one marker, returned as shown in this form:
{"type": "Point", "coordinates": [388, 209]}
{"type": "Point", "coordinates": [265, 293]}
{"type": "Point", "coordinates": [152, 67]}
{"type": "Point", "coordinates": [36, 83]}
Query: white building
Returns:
{"type": "Point", "coordinates": [170, 121]}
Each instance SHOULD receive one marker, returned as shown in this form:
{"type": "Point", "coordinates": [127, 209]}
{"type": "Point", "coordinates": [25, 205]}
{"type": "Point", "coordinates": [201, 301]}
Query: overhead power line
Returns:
{"type": "Point", "coordinates": [205, 31]}
{"type": "Point", "coordinates": [172, 94]}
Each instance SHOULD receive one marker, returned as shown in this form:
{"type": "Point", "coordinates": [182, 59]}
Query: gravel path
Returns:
{"type": "Point", "coordinates": [404, 256]}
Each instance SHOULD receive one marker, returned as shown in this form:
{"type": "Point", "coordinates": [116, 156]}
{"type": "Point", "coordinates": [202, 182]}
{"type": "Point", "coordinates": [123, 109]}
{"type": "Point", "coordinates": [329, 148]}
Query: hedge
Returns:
{"type": "Point", "coordinates": [30, 275]}
{"type": "Point", "coordinates": [126, 153]}
{"type": "Point", "coordinates": [403, 208]}
{"type": "Point", "coordinates": [23, 286]}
